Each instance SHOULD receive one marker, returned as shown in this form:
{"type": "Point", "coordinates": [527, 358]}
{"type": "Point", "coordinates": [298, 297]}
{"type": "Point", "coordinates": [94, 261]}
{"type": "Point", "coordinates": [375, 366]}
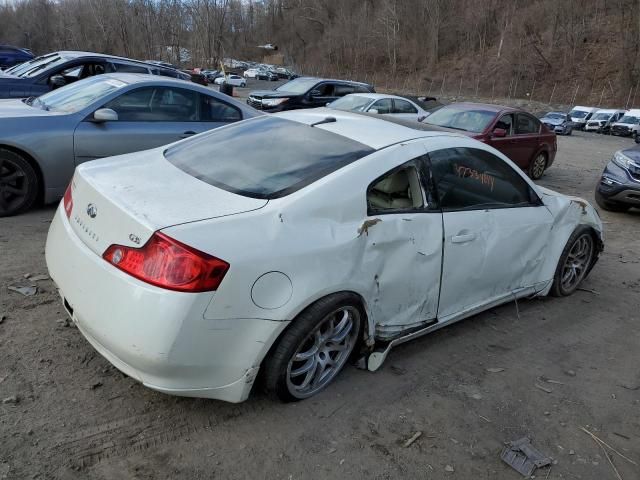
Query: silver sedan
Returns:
{"type": "Point", "coordinates": [43, 139]}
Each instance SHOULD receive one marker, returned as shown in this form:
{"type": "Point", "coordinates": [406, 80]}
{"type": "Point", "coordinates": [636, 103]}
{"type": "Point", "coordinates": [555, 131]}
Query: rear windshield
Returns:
{"type": "Point", "coordinates": [265, 157]}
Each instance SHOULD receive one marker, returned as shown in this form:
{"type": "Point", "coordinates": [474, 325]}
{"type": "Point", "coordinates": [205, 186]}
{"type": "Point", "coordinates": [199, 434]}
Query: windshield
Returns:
{"type": "Point", "coordinates": [265, 157]}
{"type": "Point", "coordinates": [602, 116]}
{"type": "Point", "coordinates": [468, 119]}
{"type": "Point", "coordinates": [351, 103]}
{"type": "Point", "coordinates": [628, 119]}
{"type": "Point", "coordinates": [578, 113]}
{"type": "Point", "coordinates": [299, 85]}
{"type": "Point", "coordinates": [555, 116]}
{"type": "Point", "coordinates": [34, 68]}
{"type": "Point", "coordinates": [78, 95]}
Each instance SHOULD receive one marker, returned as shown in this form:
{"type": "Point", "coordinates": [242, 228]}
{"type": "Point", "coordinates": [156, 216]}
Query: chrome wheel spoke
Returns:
{"type": "Point", "coordinates": [323, 353]}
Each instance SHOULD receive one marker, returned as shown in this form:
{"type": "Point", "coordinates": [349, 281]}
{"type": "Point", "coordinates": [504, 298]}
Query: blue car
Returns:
{"type": "Point", "coordinates": [10, 56]}
{"type": "Point", "coordinates": [48, 72]}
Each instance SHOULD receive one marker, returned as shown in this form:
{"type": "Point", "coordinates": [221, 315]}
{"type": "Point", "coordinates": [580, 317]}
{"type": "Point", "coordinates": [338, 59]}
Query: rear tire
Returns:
{"type": "Point", "coordinates": [315, 347]}
{"type": "Point", "coordinates": [610, 206]}
{"type": "Point", "coordinates": [575, 262]}
{"type": "Point", "coordinates": [537, 166]}
{"type": "Point", "coordinates": [18, 183]}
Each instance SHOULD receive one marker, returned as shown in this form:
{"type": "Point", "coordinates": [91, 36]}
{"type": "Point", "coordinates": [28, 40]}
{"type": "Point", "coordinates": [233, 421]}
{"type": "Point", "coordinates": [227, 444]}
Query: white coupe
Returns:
{"type": "Point", "coordinates": [292, 242]}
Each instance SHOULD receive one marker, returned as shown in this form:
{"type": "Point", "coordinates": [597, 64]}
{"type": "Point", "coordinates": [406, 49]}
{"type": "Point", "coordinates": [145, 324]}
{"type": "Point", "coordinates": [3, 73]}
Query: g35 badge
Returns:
{"type": "Point", "coordinates": [135, 239]}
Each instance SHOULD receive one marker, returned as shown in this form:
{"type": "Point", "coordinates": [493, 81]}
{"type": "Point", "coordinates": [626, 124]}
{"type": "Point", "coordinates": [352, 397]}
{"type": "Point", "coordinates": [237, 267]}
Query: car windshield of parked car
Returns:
{"type": "Point", "coordinates": [555, 116]}
{"type": "Point", "coordinates": [578, 113]}
{"type": "Point", "coordinates": [602, 116]}
{"type": "Point", "coordinates": [265, 157]}
{"type": "Point", "coordinates": [461, 118]}
{"type": "Point", "coordinates": [628, 119]}
{"type": "Point", "coordinates": [78, 95]}
{"type": "Point", "coordinates": [299, 85]}
{"type": "Point", "coordinates": [351, 103]}
{"type": "Point", "coordinates": [35, 68]}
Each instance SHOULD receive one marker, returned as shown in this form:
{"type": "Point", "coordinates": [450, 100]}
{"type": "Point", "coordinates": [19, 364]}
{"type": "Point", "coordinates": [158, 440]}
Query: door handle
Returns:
{"type": "Point", "coordinates": [463, 238]}
{"type": "Point", "coordinates": [188, 133]}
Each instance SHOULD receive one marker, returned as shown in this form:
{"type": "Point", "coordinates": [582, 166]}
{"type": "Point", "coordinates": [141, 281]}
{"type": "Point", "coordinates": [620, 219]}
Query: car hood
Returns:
{"type": "Point", "coordinates": [552, 121]}
{"type": "Point", "coordinates": [14, 108]}
{"type": "Point", "coordinates": [272, 94]}
{"type": "Point", "coordinates": [633, 153]}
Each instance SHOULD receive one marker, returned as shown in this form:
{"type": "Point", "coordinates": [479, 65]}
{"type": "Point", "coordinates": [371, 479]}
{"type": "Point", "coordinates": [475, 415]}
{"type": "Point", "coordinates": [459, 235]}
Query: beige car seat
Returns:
{"type": "Point", "coordinates": [400, 190]}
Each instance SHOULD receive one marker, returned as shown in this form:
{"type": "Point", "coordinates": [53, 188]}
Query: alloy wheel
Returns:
{"type": "Point", "coordinates": [14, 186]}
{"type": "Point", "coordinates": [323, 353]}
{"type": "Point", "coordinates": [538, 166]}
{"type": "Point", "coordinates": [577, 262]}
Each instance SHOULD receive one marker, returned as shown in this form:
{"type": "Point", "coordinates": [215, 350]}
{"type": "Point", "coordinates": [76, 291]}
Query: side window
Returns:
{"type": "Point", "coordinates": [124, 68]}
{"type": "Point", "coordinates": [526, 124]}
{"type": "Point", "coordinates": [402, 106]}
{"type": "Point", "coordinates": [214, 110]}
{"type": "Point", "coordinates": [471, 179]}
{"type": "Point", "coordinates": [175, 105]}
{"type": "Point", "coordinates": [506, 123]}
{"type": "Point", "coordinates": [398, 190]}
{"type": "Point", "coordinates": [325, 90]}
{"type": "Point", "coordinates": [133, 106]}
{"type": "Point", "coordinates": [342, 90]}
{"type": "Point", "coordinates": [383, 106]}
{"type": "Point", "coordinates": [156, 105]}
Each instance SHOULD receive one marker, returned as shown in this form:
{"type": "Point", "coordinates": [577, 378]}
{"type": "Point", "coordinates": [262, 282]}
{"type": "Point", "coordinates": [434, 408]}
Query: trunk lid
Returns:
{"type": "Point", "coordinates": [123, 200]}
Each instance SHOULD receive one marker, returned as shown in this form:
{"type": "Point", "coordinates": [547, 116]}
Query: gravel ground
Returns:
{"type": "Point", "coordinates": [542, 370]}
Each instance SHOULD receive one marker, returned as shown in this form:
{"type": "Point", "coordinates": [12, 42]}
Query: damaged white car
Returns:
{"type": "Point", "coordinates": [288, 244]}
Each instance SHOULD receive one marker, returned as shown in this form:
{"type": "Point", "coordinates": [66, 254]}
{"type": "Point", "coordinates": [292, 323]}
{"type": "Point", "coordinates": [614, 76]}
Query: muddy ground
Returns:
{"type": "Point", "coordinates": [567, 363]}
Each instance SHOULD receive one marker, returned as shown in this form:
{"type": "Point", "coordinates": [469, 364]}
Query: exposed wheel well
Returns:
{"type": "Point", "coordinates": [36, 167]}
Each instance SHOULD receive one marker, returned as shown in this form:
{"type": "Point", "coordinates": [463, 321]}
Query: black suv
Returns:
{"type": "Point", "coordinates": [305, 92]}
{"type": "Point", "coordinates": [45, 73]}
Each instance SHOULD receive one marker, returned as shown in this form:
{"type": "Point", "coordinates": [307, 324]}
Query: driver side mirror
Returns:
{"type": "Point", "coordinates": [105, 115]}
{"type": "Point", "coordinates": [315, 93]}
{"type": "Point", "coordinates": [499, 132]}
{"type": "Point", "coordinates": [57, 81]}
{"type": "Point", "coordinates": [421, 118]}
{"type": "Point", "coordinates": [373, 110]}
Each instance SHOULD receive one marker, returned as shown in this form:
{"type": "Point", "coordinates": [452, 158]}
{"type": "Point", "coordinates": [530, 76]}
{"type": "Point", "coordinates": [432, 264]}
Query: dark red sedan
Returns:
{"type": "Point", "coordinates": [516, 133]}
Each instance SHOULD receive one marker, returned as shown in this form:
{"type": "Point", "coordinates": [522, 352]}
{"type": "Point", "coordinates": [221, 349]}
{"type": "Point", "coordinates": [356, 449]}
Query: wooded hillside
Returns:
{"type": "Point", "coordinates": [581, 51]}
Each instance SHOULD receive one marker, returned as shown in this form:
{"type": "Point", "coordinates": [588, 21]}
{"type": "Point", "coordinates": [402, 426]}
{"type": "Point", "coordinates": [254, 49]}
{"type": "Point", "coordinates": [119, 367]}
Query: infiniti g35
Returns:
{"type": "Point", "coordinates": [289, 243]}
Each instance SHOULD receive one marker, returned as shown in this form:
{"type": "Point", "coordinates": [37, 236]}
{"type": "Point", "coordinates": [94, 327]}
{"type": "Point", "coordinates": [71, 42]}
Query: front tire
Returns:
{"type": "Point", "coordinates": [18, 183]}
{"type": "Point", "coordinates": [315, 348]}
{"type": "Point", "coordinates": [538, 166]}
{"type": "Point", "coordinates": [575, 262]}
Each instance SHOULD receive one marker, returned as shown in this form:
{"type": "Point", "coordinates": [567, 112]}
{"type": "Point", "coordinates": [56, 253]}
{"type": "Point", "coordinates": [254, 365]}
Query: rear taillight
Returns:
{"type": "Point", "coordinates": [67, 200]}
{"type": "Point", "coordinates": [167, 263]}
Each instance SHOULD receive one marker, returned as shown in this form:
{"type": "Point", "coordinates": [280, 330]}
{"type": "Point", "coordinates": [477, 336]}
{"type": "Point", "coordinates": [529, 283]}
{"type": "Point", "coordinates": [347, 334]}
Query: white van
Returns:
{"type": "Point", "coordinates": [628, 125]}
{"type": "Point", "coordinates": [602, 120]}
{"type": "Point", "coordinates": [579, 115]}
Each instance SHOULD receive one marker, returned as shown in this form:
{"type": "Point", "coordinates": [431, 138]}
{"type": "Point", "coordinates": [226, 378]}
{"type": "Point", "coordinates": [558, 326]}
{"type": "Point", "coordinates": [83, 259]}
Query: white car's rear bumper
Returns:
{"type": "Point", "coordinates": [157, 336]}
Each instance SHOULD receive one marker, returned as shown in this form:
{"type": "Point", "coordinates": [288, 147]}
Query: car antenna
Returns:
{"type": "Point", "coordinates": [324, 120]}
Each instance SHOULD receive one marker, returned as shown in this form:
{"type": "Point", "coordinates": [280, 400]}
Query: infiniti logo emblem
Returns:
{"type": "Point", "coordinates": [92, 211]}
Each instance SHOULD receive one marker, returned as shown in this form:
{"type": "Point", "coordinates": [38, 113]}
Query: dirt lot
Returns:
{"type": "Point", "coordinates": [77, 417]}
